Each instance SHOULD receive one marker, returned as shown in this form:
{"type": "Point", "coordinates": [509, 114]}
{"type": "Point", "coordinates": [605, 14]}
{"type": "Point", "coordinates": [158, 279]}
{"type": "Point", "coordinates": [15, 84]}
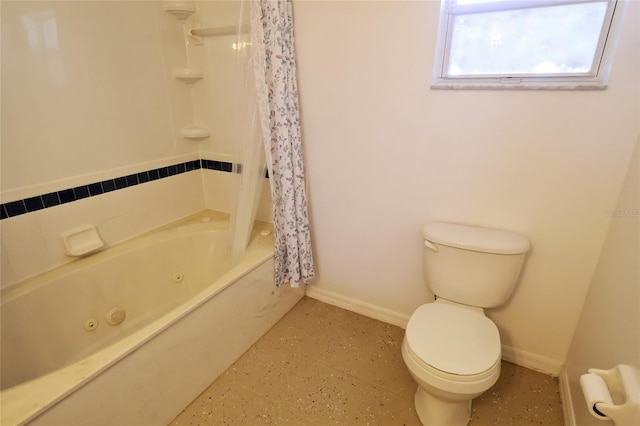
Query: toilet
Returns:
{"type": "Point", "coordinates": [450, 347]}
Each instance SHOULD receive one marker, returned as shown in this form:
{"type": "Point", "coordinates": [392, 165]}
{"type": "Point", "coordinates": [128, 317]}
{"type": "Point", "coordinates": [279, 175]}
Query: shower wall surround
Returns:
{"type": "Point", "coordinates": [216, 58]}
{"type": "Point", "coordinates": [86, 88]}
{"type": "Point", "coordinates": [92, 115]}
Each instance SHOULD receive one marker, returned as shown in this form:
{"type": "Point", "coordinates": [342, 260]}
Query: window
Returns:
{"type": "Point", "coordinates": [559, 44]}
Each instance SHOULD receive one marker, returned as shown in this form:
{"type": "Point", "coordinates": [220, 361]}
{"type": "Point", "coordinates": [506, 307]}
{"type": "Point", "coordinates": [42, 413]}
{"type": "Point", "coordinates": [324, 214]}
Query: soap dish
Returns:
{"type": "Point", "coordinates": [82, 241]}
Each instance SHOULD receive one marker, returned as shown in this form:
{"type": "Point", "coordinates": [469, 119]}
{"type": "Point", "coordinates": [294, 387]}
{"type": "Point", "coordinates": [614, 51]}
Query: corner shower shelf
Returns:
{"type": "Point", "coordinates": [187, 75]}
{"type": "Point", "coordinates": [181, 9]}
{"type": "Point", "coordinates": [194, 132]}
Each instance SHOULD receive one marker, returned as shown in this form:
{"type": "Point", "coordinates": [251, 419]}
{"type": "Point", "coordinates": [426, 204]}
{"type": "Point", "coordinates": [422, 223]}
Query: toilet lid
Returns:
{"type": "Point", "coordinates": [453, 339]}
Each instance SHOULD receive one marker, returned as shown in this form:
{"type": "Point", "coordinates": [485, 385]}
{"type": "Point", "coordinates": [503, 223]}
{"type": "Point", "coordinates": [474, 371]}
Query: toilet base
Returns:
{"type": "Point", "coordinates": [434, 411]}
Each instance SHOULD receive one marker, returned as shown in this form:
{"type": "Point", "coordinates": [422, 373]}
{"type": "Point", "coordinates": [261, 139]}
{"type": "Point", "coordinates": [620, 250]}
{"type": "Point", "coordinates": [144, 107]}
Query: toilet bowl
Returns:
{"type": "Point", "coordinates": [453, 353]}
{"type": "Point", "coordinates": [451, 349]}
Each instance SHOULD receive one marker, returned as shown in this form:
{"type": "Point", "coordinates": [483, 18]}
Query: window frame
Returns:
{"type": "Point", "coordinates": [595, 79]}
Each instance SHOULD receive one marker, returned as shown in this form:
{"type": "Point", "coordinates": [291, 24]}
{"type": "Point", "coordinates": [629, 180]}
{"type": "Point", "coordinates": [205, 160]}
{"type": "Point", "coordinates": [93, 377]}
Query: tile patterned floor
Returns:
{"type": "Point", "coordinates": [322, 365]}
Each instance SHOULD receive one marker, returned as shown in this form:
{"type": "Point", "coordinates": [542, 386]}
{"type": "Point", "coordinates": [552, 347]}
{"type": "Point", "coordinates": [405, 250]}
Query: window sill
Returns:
{"type": "Point", "coordinates": [469, 84]}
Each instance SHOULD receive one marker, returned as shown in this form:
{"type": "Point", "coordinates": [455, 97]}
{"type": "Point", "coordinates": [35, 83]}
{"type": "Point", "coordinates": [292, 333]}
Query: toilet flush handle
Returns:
{"type": "Point", "coordinates": [431, 246]}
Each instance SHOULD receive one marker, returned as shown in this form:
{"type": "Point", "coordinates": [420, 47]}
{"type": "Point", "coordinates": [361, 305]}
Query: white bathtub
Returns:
{"type": "Point", "coordinates": [189, 316]}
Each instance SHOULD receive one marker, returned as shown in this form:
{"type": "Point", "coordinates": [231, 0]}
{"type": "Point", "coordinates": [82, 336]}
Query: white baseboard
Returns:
{"type": "Point", "coordinates": [566, 399]}
{"type": "Point", "coordinates": [362, 308]}
{"type": "Point", "coordinates": [531, 361]}
{"type": "Point", "coordinates": [516, 356]}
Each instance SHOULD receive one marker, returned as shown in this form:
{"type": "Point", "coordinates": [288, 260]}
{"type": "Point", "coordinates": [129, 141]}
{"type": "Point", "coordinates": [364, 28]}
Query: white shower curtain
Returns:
{"type": "Point", "coordinates": [275, 78]}
{"type": "Point", "coordinates": [247, 135]}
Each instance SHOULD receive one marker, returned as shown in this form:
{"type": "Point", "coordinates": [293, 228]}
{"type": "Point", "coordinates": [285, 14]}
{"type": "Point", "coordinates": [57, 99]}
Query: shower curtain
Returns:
{"type": "Point", "coordinates": [248, 150]}
{"type": "Point", "coordinates": [277, 94]}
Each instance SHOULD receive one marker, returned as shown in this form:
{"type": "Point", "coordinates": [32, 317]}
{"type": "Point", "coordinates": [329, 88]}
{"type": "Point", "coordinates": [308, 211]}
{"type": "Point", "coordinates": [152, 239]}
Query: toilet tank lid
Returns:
{"type": "Point", "coordinates": [475, 238]}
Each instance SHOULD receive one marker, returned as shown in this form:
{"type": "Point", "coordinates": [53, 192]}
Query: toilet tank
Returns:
{"type": "Point", "coordinates": [472, 265]}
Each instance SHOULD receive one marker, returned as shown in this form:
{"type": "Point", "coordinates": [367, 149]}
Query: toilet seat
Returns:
{"type": "Point", "coordinates": [453, 342]}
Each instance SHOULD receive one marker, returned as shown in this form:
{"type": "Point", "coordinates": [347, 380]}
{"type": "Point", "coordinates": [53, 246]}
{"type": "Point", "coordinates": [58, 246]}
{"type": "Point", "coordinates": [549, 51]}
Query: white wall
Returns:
{"type": "Point", "coordinates": [607, 332]}
{"type": "Point", "coordinates": [386, 154]}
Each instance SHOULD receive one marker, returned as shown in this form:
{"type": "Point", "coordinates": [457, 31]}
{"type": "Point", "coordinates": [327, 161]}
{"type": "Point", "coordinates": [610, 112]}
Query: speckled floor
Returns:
{"type": "Point", "coordinates": [322, 365]}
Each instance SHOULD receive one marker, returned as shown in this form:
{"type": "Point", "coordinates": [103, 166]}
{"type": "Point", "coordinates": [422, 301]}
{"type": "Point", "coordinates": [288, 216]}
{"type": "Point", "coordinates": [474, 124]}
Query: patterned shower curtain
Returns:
{"type": "Point", "coordinates": [275, 75]}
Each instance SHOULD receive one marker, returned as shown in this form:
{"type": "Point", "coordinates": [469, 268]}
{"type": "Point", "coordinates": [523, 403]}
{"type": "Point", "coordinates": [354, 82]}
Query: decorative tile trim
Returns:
{"type": "Point", "coordinates": [39, 202]}
{"type": "Point", "coordinates": [222, 166]}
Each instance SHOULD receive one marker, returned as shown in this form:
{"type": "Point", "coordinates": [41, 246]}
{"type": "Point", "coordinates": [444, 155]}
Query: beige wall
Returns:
{"type": "Point", "coordinates": [386, 154]}
{"type": "Point", "coordinates": [607, 332]}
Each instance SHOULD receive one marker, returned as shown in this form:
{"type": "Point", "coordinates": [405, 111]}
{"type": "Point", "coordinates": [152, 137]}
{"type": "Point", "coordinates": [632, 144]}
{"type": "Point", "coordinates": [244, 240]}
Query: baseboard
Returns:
{"type": "Point", "coordinates": [566, 398]}
{"type": "Point", "coordinates": [531, 361]}
{"type": "Point", "coordinates": [362, 308]}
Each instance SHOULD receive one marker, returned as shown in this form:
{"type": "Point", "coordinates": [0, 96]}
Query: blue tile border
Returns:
{"type": "Point", "coordinates": [32, 204]}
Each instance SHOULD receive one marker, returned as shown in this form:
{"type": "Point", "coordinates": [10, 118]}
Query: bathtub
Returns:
{"type": "Point", "coordinates": [132, 334]}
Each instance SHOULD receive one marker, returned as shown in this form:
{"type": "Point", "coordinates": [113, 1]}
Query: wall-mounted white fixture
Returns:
{"type": "Point", "coordinates": [82, 241]}
{"type": "Point", "coordinates": [187, 75]}
{"type": "Point", "coordinates": [181, 9]}
{"type": "Point", "coordinates": [613, 394]}
{"type": "Point", "coordinates": [195, 132]}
